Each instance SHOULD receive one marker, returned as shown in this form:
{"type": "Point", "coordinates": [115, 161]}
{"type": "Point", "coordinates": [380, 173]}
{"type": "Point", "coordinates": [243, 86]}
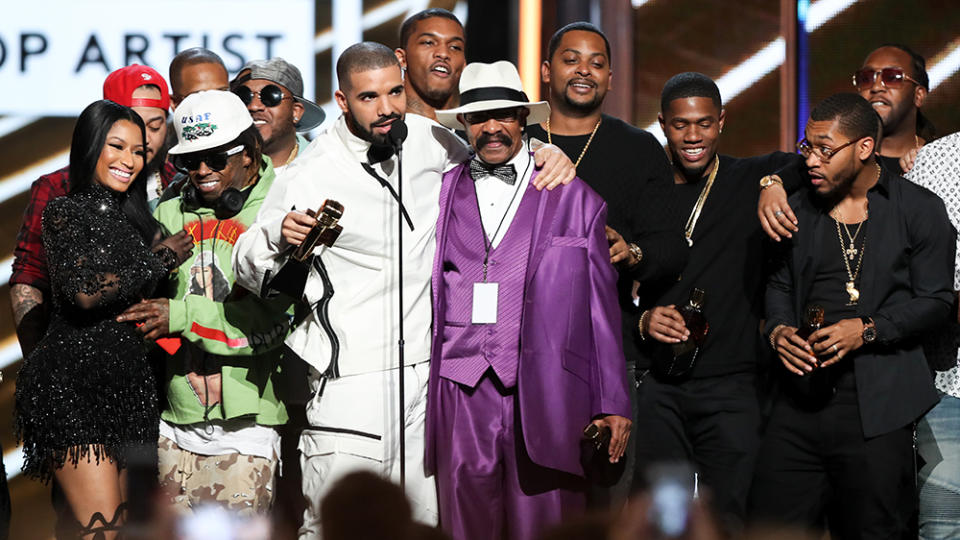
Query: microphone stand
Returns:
{"type": "Point", "coordinates": [396, 136]}
{"type": "Point", "coordinates": [400, 342]}
{"type": "Point", "coordinates": [398, 132]}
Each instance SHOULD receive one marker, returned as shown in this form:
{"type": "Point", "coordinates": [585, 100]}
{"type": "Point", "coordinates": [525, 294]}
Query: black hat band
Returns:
{"type": "Point", "coordinates": [492, 93]}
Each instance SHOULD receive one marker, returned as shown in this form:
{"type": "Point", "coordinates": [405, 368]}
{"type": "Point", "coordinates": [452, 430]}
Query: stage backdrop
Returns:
{"type": "Point", "coordinates": [740, 45]}
{"type": "Point", "coordinates": [55, 54]}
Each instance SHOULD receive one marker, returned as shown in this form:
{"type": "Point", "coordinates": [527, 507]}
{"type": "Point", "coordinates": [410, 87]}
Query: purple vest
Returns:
{"type": "Point", "coordinates": [470, 349]}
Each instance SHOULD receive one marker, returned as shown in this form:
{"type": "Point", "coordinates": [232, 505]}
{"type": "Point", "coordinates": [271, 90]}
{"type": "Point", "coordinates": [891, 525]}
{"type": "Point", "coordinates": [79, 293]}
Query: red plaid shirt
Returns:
{"type": "Point", "coordinates": [29, 259]}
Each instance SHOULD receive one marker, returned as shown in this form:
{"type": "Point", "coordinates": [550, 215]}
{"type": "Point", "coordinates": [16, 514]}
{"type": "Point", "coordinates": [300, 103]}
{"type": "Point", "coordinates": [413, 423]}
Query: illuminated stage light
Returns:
{"type": "Point", "coordinates": [10, 124]}
{"type": "Point", "coordinates": [13, 462]}
{"type": "Point", "coordinates": [769, 58]}
{"type": "Point", "coordinates": [945, 64]}
{"type": "Point", "coordinates": [528, 47]}
{"type": "Point", "coordinates": [821, 12]}
{"type": "Point", "coordinates": [371, 19]}
{"type": "Point", "coordinates": [20, 181]}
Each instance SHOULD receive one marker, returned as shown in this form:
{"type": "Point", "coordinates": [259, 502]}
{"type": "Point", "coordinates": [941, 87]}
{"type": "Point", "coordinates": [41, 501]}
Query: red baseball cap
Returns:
{"type": "Point", "coordinates": [119, 86]}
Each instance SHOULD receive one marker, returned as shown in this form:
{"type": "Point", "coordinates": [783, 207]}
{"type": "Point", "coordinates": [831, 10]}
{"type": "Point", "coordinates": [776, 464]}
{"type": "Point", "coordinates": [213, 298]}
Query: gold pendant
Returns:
{"type": "Point", "coordinates": [851, 251]}
{"type": "Point", "coordinates": [853, 292]}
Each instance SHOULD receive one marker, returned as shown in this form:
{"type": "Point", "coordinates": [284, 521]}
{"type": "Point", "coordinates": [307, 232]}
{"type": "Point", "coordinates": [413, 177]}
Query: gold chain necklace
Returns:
{"type": "Point", "coordinates": [851, 287]}
{"type": "Point", "coordinates": [852, 250]}
{"type": "Point", "coordinates": [159, 187]}
{"type": "Point", "coordinates": [584, 151]}
{"type": "Point", "coordinates": [293, 155]}
{"type": "Point", "coordinates": [698, 207]}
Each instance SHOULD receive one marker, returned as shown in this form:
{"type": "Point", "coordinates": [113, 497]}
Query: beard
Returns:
{"type": "Point", "coordinates": [276, 137]}
{"type": "Point", "coordinates": [896, 116]}
{"type": "Point", "coordinates": [158, 161]}
{"type": "Point", "coordinates": [434, 96]}
{"type": "Point", "coordinates": [693, 175]}
{"type": "Point", "coordinates": [838, 191]}
{"type": "Point", "coordinates": [368, 135]}
{"type": "Point", "coordinates": [582, 106]}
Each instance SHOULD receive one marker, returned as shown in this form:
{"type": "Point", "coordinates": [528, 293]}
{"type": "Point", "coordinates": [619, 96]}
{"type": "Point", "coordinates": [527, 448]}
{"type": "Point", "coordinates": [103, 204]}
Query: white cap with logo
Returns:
{"type": "Point", "coordinates": [207, 120]}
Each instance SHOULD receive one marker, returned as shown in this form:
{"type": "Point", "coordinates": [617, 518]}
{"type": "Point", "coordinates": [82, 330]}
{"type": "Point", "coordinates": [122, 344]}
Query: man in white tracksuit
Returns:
{"type": "Point", "coordinates": [350, 336]}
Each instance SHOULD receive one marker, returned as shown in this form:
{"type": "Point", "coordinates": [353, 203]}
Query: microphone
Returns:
{"type": "Point", "coordinates": [397, 133]}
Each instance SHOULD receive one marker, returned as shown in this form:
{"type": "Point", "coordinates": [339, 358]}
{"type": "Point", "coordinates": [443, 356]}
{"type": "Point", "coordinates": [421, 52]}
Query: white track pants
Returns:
{"type": "Point", "coordinates": [355, 426]}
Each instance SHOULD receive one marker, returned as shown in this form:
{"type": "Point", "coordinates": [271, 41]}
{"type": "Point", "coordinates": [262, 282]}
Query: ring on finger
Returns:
{"type": "Point", "coordinates": [834, 348]}
{"type": "Point", "coordinates": [778, 213]}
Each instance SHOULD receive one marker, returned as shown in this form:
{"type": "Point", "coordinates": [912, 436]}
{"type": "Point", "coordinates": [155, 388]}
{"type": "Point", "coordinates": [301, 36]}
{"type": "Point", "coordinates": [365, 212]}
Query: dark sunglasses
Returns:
{"type": "Point", "coordinates": [270, 95]}
{"type": "Point", "coordinates": [500, 115]}
{"type": "Point", "coordinates": [889, 77]}
{"type": "Point", "coordinates": [216, 161]}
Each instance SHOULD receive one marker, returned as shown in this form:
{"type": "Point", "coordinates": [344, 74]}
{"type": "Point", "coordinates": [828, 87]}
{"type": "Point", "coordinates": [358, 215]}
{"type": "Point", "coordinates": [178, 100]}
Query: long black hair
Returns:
{"type": "Point", "coordinates": [89, 136]}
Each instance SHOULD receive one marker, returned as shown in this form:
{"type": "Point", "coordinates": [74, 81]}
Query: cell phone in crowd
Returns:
{"type": "Point", "coordinates": [671, 496]}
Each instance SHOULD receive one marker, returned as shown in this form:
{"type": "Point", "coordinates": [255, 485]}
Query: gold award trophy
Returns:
{"type": "Point", "coordinates": [325, 231]}
{"type": "Point", "coordinates": [292, 277]}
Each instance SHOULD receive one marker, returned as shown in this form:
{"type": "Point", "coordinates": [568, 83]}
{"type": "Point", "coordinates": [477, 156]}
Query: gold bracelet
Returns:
{"type": "Point", "coordinates": [644, 317]}
{"type": "Point", "coordinates": [774, 334]}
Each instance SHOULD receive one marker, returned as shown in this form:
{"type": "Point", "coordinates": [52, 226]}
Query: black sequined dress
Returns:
{"type": "Point", "coordinates": [88, 384]}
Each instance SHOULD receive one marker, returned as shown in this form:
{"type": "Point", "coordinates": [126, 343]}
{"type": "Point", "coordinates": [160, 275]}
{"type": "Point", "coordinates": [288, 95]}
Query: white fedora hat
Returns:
{"type": "Point", "coordinates": [487, 87]}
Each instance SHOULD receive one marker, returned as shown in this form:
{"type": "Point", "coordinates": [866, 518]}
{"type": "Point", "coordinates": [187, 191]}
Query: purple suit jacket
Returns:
{"type": "Point", "coordinates": [571, 365]}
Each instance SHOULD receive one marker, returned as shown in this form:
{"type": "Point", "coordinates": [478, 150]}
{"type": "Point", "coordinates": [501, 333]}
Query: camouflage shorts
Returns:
{"type": "Point", "coordinates": [238, 482]}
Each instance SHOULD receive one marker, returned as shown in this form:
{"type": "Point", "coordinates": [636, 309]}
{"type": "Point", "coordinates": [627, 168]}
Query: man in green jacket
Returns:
{"type": "Point", "coordinates": [218, 438]}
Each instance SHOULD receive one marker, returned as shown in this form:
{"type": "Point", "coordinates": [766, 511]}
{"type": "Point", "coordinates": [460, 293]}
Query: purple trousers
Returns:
{"type": "Point", "coordinates": [487, 485]}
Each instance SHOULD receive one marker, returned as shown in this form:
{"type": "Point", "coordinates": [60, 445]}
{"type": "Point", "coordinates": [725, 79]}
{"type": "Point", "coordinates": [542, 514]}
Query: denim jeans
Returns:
{"type": "Point", "coordinates": [938, 443]}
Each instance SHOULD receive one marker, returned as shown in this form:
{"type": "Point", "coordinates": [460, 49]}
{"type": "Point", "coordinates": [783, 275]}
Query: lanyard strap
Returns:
{"type": "Point", "coordinates": [488, 244]}
{"type": "Point", "coordinates": [697, 208]}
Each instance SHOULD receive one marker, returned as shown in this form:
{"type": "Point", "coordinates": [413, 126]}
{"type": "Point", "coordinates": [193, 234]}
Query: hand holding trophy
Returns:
{"type": "Point", "coordinates": [292, 277]}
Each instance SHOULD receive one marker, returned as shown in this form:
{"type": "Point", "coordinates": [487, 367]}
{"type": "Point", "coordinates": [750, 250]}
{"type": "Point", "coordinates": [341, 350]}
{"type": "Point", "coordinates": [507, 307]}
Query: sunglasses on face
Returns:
{"type": "Point", "coordinates": [270, 95]}
{"type": "Point", "coordinates": [889, 77]}
{"type": "Point", "coordinates": [500, 115]}
{"type": "Point", "coordinates": [822, 152]}
{"type": "Point", "coordinates": [216, 161]}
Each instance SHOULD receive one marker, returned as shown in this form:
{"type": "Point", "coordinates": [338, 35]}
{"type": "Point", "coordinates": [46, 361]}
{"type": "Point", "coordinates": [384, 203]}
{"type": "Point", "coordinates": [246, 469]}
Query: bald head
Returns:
{"type": "Point", "coordinates": [363, 56]}
{"type": "Point", "coordinates": [196, 69]}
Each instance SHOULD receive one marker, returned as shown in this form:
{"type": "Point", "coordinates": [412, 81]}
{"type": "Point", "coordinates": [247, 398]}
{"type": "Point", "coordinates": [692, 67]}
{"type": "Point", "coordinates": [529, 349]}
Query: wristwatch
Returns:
{"type": "Point", "coordinates": [869, 330]}
{"type": "Point", "coordinates": [769, 180]}
{"type": "Point", "coordinates": [636, 252]}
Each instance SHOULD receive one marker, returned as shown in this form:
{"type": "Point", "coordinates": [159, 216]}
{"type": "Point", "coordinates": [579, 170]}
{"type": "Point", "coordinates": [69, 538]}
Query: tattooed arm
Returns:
{"type": "Point", "coordinates": [29, 315]}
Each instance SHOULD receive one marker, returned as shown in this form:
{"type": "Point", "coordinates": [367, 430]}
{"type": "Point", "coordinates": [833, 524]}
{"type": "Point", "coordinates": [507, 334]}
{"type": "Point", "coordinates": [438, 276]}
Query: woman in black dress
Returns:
{"type": "Point", "coordinates": [86, 396]}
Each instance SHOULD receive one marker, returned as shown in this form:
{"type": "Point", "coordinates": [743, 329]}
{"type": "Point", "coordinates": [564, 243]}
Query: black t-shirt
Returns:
{"type": "Point", "coordinates": [892, 164]}
{"type": "Point", "coordinates": [727, 261]}
{"type": "Point", "coordinates": [629, 169]}
{"type": "Point", "coordinates": [828, 289]}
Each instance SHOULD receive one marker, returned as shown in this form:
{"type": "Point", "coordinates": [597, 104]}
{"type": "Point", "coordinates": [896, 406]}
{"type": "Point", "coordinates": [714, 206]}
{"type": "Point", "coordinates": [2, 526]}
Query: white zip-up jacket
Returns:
{"type": "Point", "coordinates": [352, 288]}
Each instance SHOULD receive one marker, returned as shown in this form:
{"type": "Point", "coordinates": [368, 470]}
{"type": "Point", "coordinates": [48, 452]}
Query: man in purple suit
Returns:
{"type": "Point", "coordinates": [526, 349]}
